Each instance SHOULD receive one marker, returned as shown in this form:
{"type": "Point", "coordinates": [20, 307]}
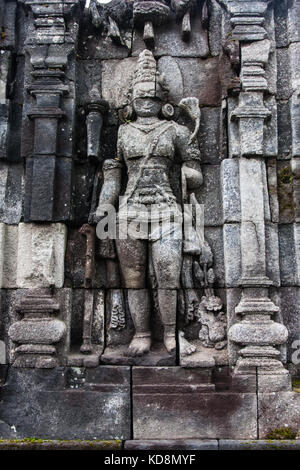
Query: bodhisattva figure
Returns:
{"type": "Point", "coordinates": [148, 145]}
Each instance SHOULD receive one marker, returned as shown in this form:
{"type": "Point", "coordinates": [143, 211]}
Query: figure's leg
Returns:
{"type": "Point", "coordinates": [132, 255]}
{"type": "Point", "coordinates": [167, 259]}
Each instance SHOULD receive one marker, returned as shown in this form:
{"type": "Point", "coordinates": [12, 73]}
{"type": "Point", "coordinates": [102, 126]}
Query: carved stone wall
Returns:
{"type": "Point", "coordinates": [227, 334]}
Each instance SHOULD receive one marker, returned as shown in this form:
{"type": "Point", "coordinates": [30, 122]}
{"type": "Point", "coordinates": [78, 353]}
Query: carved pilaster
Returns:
{"type": "Point", "coordinates": [247, 19]}
{"type": "Point", "coordinates": [36, 333]}
{"type": "Point", "coordinates": [49, 110]}
{"type": "Point", "coordinates": [257, 332]}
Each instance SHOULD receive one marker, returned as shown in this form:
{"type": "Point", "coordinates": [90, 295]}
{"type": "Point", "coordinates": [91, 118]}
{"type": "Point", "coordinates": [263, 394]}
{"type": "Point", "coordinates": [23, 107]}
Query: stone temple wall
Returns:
{"type": "Point", "coordinates": [66, 71]}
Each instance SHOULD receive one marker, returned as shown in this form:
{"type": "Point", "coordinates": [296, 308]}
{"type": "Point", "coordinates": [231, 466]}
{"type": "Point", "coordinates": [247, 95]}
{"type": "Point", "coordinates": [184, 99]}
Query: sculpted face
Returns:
{"type": "Point", "coordinates": [147, 107]}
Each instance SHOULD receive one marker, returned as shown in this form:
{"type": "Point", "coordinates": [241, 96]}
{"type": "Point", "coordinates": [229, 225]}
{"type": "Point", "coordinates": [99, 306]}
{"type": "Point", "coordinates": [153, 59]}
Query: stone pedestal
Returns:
{"type": "Point", "coordinates": [169, 402]}
{"type": "Point", "coordinates": [67, 403]}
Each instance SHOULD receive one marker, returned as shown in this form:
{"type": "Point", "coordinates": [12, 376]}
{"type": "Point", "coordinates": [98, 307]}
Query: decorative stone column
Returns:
{"type": "Point", "coordinates": [37, 331]}
{"type": "Point", "coordinates": [259, 362]}
{"type": "Point", "coordinates": [49, 109]}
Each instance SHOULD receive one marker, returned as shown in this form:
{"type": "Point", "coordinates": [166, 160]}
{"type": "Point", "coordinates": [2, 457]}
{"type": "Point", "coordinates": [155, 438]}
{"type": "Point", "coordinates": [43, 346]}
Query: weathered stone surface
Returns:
{"type": "Point", "coordinates": [180, 410]}
{"type": "Point", "coordinates": [79, 444]}
{"type": "Point", "coordinates": [289, 302]}
{"type": "Point", "coordinates": [95, 46]}
{"type": "Point", "coordinates": [11, 192]}
{"type": "Point", "coordinates": [232, 254]}
{"type": "Point", "coordinates": [233, 297]}
{"type": "Point", "coordinates": [284, 129]}
{"type": "Point", "coordinates": [210, 195]}
{"type": "Point", "coordinates": [8, 25]}
{"type": "Point", "coordinates": [175, 444]}
{"type": "Point", "coordinates": [213, 235]}
{"type": "Point", "coordinates": [271, 190]}
{"type": "Point", "coordinates": [261, 444]}
{"type": "Point", "coordinates": [280, 14]}
{"type": "Point", "coordinates": [284, 86]}
{"type": "Point", "coordinates": [272, 253]}
{"type": "Point", "coordinates": [192, 77]}
{"type": "Point", "coordinates": [76, 259]}
{"type": "Point", "coordinates": [215, 29]}
{"type": "Point", "coordinates": [169, 41]}
{"type": "Point", "coordinates": [247, 19]}
{"type": "Point", "coordinates": [114, 90]}
{"type": "Point", "coordinates": [211, 135]}
{"type": "Point", "coordinates": [293, 19]}
{"type": "Point", "coordinates": [295, 120]}
{"type": "Point", "coordinates": [278, 410]}
{"type": "Point", "coordinates": [289, 257]}
{"type": "Point", "coordinates": [285, 192]}
{"type": "Point", "coordinates": [32, 255]}
{"type": "Point", "coordinates": [87, 404]}
{"type": "Point", "coordinates": [230, 190]}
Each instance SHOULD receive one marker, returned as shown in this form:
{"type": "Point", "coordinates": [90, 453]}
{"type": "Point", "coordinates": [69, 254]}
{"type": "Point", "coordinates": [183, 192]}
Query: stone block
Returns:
{"type": "Point", "coordinates": [294, 52]}
{"type": "Point", "coordinates": [67, 403]}
{"type": "Point", "coordinates": [233, 297]}
{"type": "Point", "coordinates": [284, 85]}
{"type": "Point", "coordinates": [278, 410]}
{"type": "Point", "coordinates": [261, 444]}
{"type": "Point", "coordinates": [211, 138]}
{"type": "Point", "coordinates": [293, 20]}
{"type": "Point", "coordinates": [168, 40]}
{"type": "Point", "coordinates": [271, 194]}
{"type": "Point", "coordinates": [75, 262]}
{"type": "Point", "coordinates": [8, 39]}
{"type": "Point", "coordinates": [284, 129]}
{"type": "Point", "coordinates": [289, 256]}
{"type": "Point", "coordinates": [32, 255]}
{"type": "Point", "coordinates": [232, 254]}
{"type": "Point", "coordinates": [11, 192]}
{"type": "Point", "coordinates": [215, 29]}
{"type": "Point", "coordinates": [274, 383]}
{"type": "Point", "coordinates": [295, 122]}
{"type": "Point", "coordinates": [168, 405]}
{"type": "Point", "coordinates": [230, 185]}
{"type": "Point", "coordinates": [88, 74]}
{"type": "Point", "coordinates": [172, 444]}
{"type": "Point", "coordinates": [96, 46]}
{"type": "Point", "coordinates": [192, 77]}
{"type": "Point", "coordinates": [280, 14]}
{"type": "Point", "coordinates": [289, 308]}
{"type": "Point", "coordinates": [272, 253]}
{"type": "Point", "coordinates": [114, 90]}
{"type": "Point", "coordinates": [86, 189]}
{"type": "Point", "coordinates": [48, 189]}
{"type": "Point", "coordinates": [210, 195]}
{"type": "Point", "coordinates": [285, 192]}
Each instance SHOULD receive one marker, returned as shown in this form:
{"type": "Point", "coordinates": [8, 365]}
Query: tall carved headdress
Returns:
{"type": "Point", "coordinates": [147, 81]}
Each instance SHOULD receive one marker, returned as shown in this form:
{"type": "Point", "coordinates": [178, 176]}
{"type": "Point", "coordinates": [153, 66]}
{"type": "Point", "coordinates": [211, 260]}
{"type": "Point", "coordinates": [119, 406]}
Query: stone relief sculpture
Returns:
{"type": "Point", "coordinates": [149, 144]}
{"type": "Point", "coordinates": [219, 308]}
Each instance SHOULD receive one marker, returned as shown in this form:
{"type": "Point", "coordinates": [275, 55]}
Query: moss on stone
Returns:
{"type": "Point", "coordinates": [281, 433]}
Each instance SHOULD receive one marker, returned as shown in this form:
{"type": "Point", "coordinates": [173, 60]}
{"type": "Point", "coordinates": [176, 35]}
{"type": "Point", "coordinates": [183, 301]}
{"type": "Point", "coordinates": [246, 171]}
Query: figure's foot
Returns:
{"type": "Point", "coordinates": [170, 342]}
{"type": "Point", "coordinates": [186, 348]}
{"type": "Point", "coordinates": [139, 345]}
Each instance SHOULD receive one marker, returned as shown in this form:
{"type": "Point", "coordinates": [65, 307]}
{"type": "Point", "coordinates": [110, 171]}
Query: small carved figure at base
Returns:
{"type": "Point", "coordinates": [213, 321]}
